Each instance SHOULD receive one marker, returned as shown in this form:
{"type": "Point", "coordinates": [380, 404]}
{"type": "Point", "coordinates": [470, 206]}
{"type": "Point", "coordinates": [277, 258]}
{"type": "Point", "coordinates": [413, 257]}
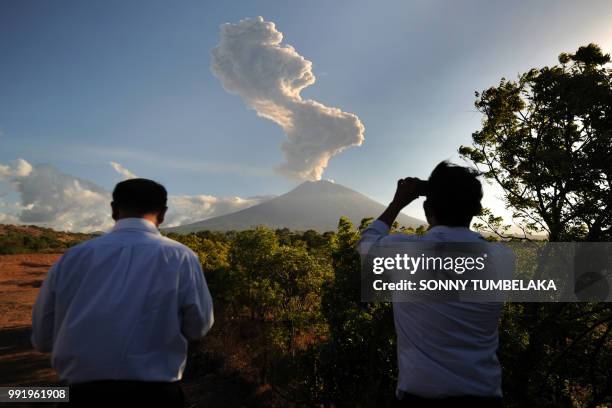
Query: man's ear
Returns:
{"type": "Point", "coordinates": [115, 211]}
{"type": "Point", "coordinates": [431, 219]}
{"type": "Point", "coordinates": [161, 215]}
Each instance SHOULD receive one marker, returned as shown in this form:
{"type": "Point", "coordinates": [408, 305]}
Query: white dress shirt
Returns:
{"type": "Point", "coordinates": [122, 307]}
{"type": "Point", "coordinates": [443, 348]}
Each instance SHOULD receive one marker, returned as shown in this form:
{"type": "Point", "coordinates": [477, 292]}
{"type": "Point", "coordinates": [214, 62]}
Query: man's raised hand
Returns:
{"type": "Point", "coordinates": [407, 191]}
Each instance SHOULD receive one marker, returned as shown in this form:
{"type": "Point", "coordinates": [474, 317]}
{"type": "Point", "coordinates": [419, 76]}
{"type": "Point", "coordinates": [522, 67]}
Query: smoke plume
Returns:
{"type": "Point", "coordinates": [250, 61]}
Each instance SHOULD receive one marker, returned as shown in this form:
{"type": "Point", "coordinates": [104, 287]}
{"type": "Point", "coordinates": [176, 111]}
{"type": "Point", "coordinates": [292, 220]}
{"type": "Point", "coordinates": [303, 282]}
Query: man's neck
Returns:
{"type": "Point", "coordinates": [148, 217]}
{"type": "Point", "coordinates": [448, 226]}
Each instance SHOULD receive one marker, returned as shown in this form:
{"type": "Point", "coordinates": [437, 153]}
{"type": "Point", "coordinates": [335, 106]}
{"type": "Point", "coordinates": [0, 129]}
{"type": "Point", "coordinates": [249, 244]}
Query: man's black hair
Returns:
{"type": "Point", "coordinates": [140, 196]}
{"type": "Point", "coordinates": [454, 194]}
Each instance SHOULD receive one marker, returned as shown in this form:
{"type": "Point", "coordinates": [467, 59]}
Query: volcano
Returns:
{"type": "Point", "coordinates": [316, 205]}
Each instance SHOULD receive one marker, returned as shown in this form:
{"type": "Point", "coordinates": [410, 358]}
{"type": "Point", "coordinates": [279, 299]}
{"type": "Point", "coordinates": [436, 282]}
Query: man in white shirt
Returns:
{"type": "Point", "coordinates": [446, 350]}
{"type": "Point", "coordinates": [116, 312]}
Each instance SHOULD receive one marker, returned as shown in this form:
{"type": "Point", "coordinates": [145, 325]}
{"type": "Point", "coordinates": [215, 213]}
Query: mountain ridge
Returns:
{"type": "Point", "coordinates": [316, 205]}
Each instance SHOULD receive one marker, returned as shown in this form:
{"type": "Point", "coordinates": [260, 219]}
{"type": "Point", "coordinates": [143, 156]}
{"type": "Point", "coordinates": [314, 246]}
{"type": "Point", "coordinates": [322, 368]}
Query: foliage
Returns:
{"type": "Point", "coordinates": [358, 359]}
{"type": "Point", "coordinates": [311, 337]}
{"type": "Point", "coordinates": [546, 139]}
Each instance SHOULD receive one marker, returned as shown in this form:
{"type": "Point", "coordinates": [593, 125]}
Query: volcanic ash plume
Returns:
{"type": "Point", "coordinates": [250, 61]}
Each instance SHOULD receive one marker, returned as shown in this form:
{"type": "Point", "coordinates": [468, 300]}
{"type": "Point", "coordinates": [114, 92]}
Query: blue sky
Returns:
{"type": "Point", "coordinates": [86, 83]}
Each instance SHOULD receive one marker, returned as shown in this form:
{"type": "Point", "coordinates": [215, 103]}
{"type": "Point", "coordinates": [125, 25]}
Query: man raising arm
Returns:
{"type": "Point", "coordinates": [446, 350]}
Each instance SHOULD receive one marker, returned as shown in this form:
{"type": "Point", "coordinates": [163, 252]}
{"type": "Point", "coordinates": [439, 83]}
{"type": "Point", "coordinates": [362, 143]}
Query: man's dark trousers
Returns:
{"type": "Point", "coordinates": [128, 393]}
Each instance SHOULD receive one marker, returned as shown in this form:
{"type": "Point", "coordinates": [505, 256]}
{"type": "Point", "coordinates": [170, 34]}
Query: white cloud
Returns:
{"type": "Point", "coordinates": [8, 219]}
{"type": "Point", "coordinates": [250, 61]}
{"type": "Point", "coordinates": [19, 168]}
{"type": "Point", "coordinates": [60, 201]}
{"type": "Point", "coordinates": [57, 200]}
{"type": "Point", "coordinates": [122, 170]}
{"type": "Point", "coordinates": [185, 209]}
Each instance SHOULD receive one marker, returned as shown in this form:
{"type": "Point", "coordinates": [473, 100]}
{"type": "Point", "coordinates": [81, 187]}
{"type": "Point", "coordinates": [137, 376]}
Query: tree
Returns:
{"type": "Point", "coordinates": [358, 359]}
{"type": "Point", "coordinates": [297, 278]}
{"type": "Point", "coordinates": [546, 139]}
{"type": "Point", "coordinates": [296, 323]}
{"type": "Point", "coordinates": [250, 258]}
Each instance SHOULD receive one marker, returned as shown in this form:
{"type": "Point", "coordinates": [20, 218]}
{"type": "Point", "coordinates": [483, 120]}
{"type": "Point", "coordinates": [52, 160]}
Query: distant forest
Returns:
{"type": "Point", "coordinates": [25, 239]}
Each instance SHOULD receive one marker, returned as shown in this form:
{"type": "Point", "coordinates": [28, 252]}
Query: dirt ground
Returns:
{"type": "Point", "coordinates": [20, 280]}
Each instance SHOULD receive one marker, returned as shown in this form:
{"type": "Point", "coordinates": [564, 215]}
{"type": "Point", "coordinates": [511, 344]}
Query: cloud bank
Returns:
{"type": "Point", "coordinates": [185, 209]}
{"type": "Point", "coordinates": [250, 61]}
{"type": "Point", "coordinates": [50, 198]}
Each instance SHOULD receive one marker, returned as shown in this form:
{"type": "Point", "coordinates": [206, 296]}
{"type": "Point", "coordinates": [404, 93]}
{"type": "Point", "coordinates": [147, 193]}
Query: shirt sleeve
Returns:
{"type": "Point", "coordinates": [43, 314]}
{"type": "Point", "coordinates": [196, 303]}
{"type": "Point", "coordinates": [376, 232]}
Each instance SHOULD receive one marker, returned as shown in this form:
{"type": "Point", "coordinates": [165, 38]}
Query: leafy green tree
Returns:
{"type": "Point", "coordinates": [297, 279]}
{"type": "Point", "coordinates": [358, 360]}
{"type": "Point", "coordinates": [250, 258]}
{"type": "Point", "coordinates": [546, 139]}
{"type": "Point", "coordinates": [296, 325]}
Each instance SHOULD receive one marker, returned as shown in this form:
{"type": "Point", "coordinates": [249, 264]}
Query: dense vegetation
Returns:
{"type": "Point", "coordinates": [22, 239]}
{"type": "Point", "coordinates": [287, 305]}
{"type": "Point", "coordinates": [298, 294]}
{"type": "Point", "coordinates": [295, 298]}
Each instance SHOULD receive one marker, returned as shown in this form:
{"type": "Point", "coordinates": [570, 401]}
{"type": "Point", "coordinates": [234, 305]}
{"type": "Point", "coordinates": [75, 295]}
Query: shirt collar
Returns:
{"type": "Point", "coordinates": [463, 232]}
{"type": "Point", "coordinates": [140, 224]}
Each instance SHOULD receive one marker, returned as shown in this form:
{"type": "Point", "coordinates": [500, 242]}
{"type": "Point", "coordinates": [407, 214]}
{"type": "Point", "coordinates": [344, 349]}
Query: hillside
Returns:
{"type": "Point", "coordinates": [21, 239]}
